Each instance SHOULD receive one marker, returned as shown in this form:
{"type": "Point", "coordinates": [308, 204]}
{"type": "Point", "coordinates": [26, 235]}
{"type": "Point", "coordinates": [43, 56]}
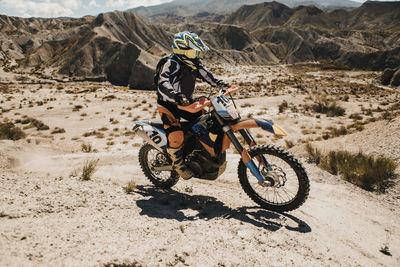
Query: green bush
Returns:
{"type": "Point", "coordinates": [367, 171]}
{"type": "Point", "coordinates": [10, 131]}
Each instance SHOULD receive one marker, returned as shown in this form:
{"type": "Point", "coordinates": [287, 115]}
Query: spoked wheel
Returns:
{"type": "Point", "coordinates": [150, 160]}
{"type": "Point", "coordinates": [286, 184]}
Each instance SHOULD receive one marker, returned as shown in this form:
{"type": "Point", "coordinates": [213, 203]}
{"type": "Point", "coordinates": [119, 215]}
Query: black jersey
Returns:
{"type": "Point", "coordinates": [176, 78]}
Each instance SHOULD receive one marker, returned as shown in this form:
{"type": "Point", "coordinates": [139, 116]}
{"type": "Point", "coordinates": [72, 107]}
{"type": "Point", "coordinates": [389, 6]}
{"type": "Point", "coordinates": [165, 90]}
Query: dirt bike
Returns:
{"type": "Point", "coordinates": [270, 176]}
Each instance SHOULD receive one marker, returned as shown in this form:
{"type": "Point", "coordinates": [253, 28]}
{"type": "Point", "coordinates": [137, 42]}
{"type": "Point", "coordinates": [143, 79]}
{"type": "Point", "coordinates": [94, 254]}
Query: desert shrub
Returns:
{"type": "Point", "coordinates": [328, 107]}
{"type": "Point", "coordinates": [89, 168]}
{"type": "Point", "coordinates": [58, 130]}
{"type": "Point", "coordinates": [109, 97]}
{"type": "Point", "coordinates": [77, 107]}
{"type": "Point", "coordinates": [87, 148]}
{"type": "Point", "coordinates": [87, 134]}
{"type": "Point", "coordinates": [395, 106]}
{"type": "Point", "coordinates": [338, 131]}
{"type": "Point", "coordinates": [387, 115]}
{"type": "Point", "coordinates": [356, 116]}
{"type": "Point", "coordinates": [366, 171]}
{"type": "Point", "coordinates": [357, 126]}
{"type": "Point", "coordinates": [40, 126]}
{"type": "Point", "coordinates": [4, 88]}
{"type": "Point", "coordinates": [130, 187]}
{"type": "Point", "coordinates": [246, 105]}
{"type": "Point", "coordinates": [9, 131]}
{"type": "Point", "coordinates": [335, 132]}
{"type": "Point", "coordinates": [289, 144]}
{"type": "Point", "coordinates": [95, 133]}
{"type": "Point", "coordinates": [99, 135]}
{"type": "Point", "coordinates": [314, 155]}
{"type": "Point", "coordinates": [284, 105]}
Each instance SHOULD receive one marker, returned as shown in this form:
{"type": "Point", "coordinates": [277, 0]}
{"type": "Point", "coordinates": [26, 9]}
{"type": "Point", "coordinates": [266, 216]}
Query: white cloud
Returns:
{"type": "Point", "coordinates": [126, 4]}
{"type": "Point", "coordinates": [93, 4]}
{"type": "Point", "coordinates": [42, 8]}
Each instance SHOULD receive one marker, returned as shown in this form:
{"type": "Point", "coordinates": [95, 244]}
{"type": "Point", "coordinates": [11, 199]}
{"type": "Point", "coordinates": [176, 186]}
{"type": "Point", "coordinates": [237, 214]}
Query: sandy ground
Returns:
{"type": "Point", "coordinates": [49, 217]}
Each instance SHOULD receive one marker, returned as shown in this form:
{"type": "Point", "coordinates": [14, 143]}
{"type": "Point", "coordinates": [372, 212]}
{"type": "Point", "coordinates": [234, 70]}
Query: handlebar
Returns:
{"type": "Point", "coordinates": [202, 103]}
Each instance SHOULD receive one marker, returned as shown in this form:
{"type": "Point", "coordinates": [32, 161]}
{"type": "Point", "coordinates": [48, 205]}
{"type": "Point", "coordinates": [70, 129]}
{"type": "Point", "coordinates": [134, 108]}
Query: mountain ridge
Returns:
{"type": "Point", "coordinates": [123, 48]}
{"type": "Point", "coordinates": [187, 11]}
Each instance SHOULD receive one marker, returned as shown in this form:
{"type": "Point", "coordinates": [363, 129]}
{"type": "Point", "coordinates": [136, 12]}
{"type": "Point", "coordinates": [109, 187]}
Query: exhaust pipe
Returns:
{"type": "Point", "coordinates": [163, 168]}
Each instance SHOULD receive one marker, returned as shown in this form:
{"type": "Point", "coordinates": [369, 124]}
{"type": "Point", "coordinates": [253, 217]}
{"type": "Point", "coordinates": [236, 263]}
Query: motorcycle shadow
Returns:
{"type": "Point", "coordinates": [174, 205]}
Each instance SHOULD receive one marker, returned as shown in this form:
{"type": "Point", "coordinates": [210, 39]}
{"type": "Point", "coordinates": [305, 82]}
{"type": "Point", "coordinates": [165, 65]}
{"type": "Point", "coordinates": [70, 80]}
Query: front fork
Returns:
{"type": "Point", "coordinates": [251, 142]}
{"type": "Point", "coordinates": [244, 153]}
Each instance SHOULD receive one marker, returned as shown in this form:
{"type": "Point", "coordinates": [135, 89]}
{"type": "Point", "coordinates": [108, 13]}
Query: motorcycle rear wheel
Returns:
{"type": "Point", "coordinates": [150, 157]}
{"type": "Point", "coordinates": [287, 185]}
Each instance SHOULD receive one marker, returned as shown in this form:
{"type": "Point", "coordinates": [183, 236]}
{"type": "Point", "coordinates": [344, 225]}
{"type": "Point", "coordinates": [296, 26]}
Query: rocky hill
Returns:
{"type": "Point", "coordinates": [122, 48]}
{"type": "Point", "coordinates": [366, 38]}
{"type": "Point", "coordinates": [118, 47]}
{"type": "Point", "coordinates": [188, 11]}
{"type": "Point", "coordinates": [372, 15]}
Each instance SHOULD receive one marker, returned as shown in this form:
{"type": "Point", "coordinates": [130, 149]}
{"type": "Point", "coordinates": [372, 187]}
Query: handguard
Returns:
{"type": "Point", "coordinates": [202, 103]}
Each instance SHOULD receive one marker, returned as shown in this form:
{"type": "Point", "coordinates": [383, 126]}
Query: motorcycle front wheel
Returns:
{"type": "Point", "coordinates": [149, 159]}
{"type": "Point", "coordinates": [286, 185]}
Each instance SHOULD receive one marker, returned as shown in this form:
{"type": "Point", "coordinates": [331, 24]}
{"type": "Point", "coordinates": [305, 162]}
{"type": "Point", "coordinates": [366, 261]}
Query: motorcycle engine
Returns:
{"type": "Point", "coordinates": [203, 166]}
{"type": "Point", "coordinates": [194, 164]}
{"type": "Point", "coordinates": [195, 167]}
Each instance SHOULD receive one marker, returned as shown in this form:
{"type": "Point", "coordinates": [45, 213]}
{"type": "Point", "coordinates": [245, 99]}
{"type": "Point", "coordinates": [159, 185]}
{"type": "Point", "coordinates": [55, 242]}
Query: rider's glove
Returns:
{"type": "Point", "coordinates": [181, 100]}
{"type": "Point", "coordinates": [223, 84]}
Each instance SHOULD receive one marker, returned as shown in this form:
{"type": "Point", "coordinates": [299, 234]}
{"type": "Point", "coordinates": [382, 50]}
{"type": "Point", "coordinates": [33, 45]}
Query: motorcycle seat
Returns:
{"type": "Point", "coordinates": [157, 124]}
{"type": "Point", "coordinates": [185, 124]}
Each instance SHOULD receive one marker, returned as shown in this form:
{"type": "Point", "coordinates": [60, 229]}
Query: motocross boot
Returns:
{"type": "Point", "coordinates": [179, 166]}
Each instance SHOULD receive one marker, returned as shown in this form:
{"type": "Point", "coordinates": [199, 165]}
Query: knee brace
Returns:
{"type": "Point", "coordinates": [172, 129]}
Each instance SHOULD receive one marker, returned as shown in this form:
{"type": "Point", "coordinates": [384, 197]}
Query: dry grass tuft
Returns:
{"type": "Point", "coordinates": [314, 155]}
{"type": "Point", "coordinates": [367, 171]}
{"type": "Point", "coordinates": [58, 130]}
{"type": "Point", "coordinates": [89, 168]}
{"type": "Point", "coordinates": [87, 148]}
{"type": "Point", "coordinates": [289, 144]}
{"type": "Point", "coordinates": [283, 106]}
{"type": "Point", "coordinates": [130, 187]}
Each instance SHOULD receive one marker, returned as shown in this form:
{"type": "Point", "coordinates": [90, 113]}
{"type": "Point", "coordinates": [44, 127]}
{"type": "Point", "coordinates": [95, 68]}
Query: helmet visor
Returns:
{"type": "Point", "coordinates": [192, 54]}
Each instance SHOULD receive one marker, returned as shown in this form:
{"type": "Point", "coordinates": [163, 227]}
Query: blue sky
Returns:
{"type": "Point", "coordinates": [70, 8]}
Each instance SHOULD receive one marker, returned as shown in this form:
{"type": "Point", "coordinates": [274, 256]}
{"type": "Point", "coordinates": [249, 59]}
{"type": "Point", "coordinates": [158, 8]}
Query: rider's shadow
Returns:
{"type": "Point", "coordinates": [171, 204]}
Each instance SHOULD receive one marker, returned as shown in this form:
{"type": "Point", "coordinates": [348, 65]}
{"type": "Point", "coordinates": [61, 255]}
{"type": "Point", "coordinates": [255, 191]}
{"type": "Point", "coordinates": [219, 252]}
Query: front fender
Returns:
{"type": "Point", "coordinates": [264, 124]}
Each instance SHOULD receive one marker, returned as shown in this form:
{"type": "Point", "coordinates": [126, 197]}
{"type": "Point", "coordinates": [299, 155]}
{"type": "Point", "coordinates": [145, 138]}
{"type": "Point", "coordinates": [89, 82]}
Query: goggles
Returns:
{"type": "Point", "coordinates": [189, 53]}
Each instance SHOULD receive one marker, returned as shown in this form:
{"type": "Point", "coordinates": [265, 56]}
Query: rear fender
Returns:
{"type": "Point", "coordinates": [264, 124]}
{"type": "Point", "coordinates": [151, 134]}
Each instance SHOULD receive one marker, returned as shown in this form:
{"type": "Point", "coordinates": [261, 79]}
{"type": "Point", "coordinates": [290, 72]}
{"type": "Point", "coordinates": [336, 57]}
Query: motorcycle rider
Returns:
{"type": "Point", "coordinates": [176, 83]}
